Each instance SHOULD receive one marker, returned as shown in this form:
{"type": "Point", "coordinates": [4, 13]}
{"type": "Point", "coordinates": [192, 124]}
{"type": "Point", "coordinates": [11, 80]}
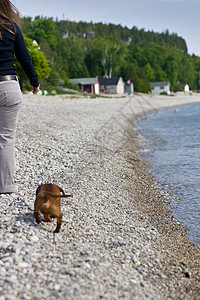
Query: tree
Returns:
{"type": "Point", "coordinates": [105, 57]}
{"type": "Point", "coordinates": [171, 69]}
{"type": "Point", "coordinates": [43, 29]}
{"type": "Point", "coordinates": [149, 72]}
{"type": "Point", "coordinates": [128, 72]}
{"type": "Point", "coordinates": [187, 72]}
{"type": "Point", "coordinates": [76, 59]}
{"type": "Point", "coordinates": [39, 61]}
{"type": "Point", "coordinates": [196, 62]}
{"type": "Point", "coordinates": [150, 56]}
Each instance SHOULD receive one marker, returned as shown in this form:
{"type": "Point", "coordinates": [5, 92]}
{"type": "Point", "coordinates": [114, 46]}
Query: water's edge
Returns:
{"type": "Point", "coordinates": [173, 192]}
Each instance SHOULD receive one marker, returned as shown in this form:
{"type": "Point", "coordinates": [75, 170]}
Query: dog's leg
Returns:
{"type": "Point", "coordinates": [59, 222]}
{"type": "Point", "coordinates": [37, 217]}
{"type": "Point", "coordinates": [36, 211]}
{"type": "Point", "coordinates": [47, 218]}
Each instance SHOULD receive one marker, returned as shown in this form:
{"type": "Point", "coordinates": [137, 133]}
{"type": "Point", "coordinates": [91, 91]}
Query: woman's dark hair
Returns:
{"type": "Point", "coordinates": [8, 15]}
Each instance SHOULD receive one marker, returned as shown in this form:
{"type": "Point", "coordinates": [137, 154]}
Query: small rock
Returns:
{"type": "Point", "coordinates": [34, 239]}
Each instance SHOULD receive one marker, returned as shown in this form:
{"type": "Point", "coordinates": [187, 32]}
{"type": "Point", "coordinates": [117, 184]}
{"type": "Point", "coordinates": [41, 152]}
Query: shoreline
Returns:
{"type": "Point", "coordinates": [172, 189]}
{"type": "Point", "coordinates": [154, 205]}
{"type": "Point", "coordinates": [117, 238]}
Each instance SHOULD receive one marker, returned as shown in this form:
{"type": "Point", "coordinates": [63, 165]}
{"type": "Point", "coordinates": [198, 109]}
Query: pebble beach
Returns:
{"type": "Point", "coordinates": [118, 239]}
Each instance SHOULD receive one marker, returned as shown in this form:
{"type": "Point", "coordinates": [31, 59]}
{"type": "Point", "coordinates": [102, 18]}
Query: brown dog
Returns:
{"type": "Point", "coordinates": [48, 199]}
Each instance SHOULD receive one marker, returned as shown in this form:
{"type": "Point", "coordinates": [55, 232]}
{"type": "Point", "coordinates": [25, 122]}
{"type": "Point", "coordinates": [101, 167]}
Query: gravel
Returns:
{"type": "Point", "coordinates": [117, 239]}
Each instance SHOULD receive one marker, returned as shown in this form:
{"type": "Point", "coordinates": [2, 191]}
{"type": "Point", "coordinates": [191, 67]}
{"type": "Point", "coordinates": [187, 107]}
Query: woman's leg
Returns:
{"type": "Point", "coordinates": [10, 104]}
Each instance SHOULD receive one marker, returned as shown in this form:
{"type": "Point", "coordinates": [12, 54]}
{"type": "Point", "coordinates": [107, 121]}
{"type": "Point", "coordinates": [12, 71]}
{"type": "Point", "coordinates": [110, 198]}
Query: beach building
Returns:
{"type": "Point", "coordinates": [128, 40]}
{"type": "Point", "coordinates": [91, 34]}
{"type": "Point", "coordinates": [66, 34]}
{"type": "Point", "coordinates": [128, 87]}
{"type": "Point", "coordinates": [89, 85]}
{"type": "Point", "coordinates": [113, 85]}
{"type": "Point", "coordinates": [186, 88]}
{"type": "Point", "coordinates": [160, 87]}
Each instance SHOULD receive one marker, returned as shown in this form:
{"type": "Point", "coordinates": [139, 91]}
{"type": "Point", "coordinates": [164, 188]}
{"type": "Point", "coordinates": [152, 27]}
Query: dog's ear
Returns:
{"type": "Point", "coordinates": [37, 191]}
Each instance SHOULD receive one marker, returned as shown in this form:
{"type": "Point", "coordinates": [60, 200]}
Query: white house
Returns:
{"type": "Point", "coordinates": [160, 87]}
{"type": "Point", "coordinates": [112, 85]}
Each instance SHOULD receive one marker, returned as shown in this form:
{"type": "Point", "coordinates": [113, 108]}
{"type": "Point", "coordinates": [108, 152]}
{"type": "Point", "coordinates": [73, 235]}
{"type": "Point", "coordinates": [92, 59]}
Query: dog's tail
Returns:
{"type": "Point", "coordinates": [46, 194]}
{"type": "Point", "coordinates": [47, 198]}
{"type": "Point", "coordinates": [59, 196]}
{"type": "Point", "coordinates": [63, 193]}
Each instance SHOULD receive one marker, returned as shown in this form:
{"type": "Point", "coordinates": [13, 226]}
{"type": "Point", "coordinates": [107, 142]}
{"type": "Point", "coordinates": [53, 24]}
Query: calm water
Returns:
{"type": "Point", "coordinates": [172, 145]}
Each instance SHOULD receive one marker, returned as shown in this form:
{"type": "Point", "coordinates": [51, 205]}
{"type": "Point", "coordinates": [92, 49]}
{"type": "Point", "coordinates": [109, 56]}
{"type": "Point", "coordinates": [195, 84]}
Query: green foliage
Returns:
{"type": "Point", "coordinates": [164, 93]}
{"type": "Point", "coordinates": [105, 57]}
{"type": "Point", "coordinates": [39, 61]}
{"type": "Point", "coordinates": [149, 72]}
{"type": "Point", "coordinates": [76, 64]}
{"type": "Point", "coordinates": [43, 29]}
{"type": "Point", "coordinates": [92, 50]}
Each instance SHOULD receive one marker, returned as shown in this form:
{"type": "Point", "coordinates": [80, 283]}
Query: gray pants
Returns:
{"type": "Point", "coordinates": [10, 104]}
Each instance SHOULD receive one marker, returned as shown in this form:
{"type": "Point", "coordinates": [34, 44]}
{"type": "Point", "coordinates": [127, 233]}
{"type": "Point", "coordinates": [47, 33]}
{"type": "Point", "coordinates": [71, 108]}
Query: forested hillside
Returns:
{"type": "Point", "coordinates": [88, 50]}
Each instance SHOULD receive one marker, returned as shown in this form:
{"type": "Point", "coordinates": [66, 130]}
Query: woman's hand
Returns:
{"type": "Point", "coordinates": [36, 89]}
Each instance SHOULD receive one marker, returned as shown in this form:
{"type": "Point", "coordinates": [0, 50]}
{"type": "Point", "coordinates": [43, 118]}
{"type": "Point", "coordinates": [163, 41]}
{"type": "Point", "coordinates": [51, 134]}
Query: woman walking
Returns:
{"type": "Point", "coordinates": [11, 42]}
